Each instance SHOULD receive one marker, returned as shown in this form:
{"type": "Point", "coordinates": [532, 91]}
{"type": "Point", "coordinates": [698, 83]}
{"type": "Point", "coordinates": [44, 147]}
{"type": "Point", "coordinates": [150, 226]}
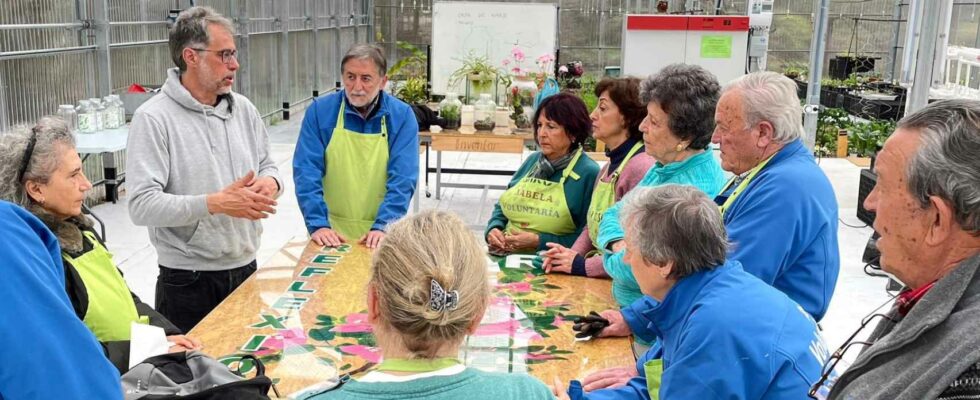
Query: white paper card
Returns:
{"type": "Point", "coordinates": [146, 341]}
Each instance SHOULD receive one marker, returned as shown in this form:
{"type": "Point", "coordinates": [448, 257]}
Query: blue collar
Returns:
{"type": "Point", "coordinates": [376, 106]}
{"type": "Point", "coordinates": [790, 150]}
{"type": "Point", "coordinates": [688, 163]}
{"type": "Point", "coordinates": [663, 315]}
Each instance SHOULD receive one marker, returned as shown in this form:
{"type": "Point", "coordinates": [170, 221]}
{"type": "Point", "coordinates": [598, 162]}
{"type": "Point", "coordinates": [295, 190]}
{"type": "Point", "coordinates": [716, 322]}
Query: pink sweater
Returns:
{"type": "Point", "coordinates": [634, 171]}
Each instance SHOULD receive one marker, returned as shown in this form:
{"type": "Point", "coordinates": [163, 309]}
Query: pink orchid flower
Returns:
{"type": "Point", "coordinates": [517, 53]}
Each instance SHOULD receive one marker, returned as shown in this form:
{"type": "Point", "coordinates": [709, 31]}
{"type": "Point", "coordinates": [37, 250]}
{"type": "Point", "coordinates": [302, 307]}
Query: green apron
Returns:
{"type": "Point", "coordinates": [110, 304]}
{"type": "Point", "coordinates": [539, 206]}
{"type": "Point", "coordinates": [741, 187]}
{"type": "Point", "coordinates": [604, 196]}
{"type": "Point", "coordinates": [354, 183]}
{"type": "Point", "coordinates": [654, 371]}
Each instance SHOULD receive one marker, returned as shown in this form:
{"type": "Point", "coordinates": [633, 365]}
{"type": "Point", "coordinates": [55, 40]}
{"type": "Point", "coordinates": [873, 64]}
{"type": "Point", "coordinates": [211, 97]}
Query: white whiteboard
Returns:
{"type": "Point", "coordinates": [488, 29]}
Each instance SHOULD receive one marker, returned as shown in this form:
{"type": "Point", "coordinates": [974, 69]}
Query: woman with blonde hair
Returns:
{"type": "Point", "coordinates": [428, 290]}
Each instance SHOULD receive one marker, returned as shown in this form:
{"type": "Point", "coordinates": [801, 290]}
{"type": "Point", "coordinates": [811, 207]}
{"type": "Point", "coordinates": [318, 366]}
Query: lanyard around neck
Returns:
{"type": "Point", "coordinates": [404, 365]}
{"type": "Point", "coordinates": [741, 187]}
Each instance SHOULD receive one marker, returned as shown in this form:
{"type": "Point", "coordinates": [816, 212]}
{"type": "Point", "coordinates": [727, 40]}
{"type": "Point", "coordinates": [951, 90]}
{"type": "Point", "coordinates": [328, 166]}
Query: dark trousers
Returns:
{"type": "Point", "coordinates": [185, 296]}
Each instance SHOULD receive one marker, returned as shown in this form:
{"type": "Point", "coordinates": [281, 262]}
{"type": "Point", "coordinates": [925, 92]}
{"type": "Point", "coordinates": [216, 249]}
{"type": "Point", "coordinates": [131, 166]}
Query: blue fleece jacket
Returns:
{"type": "Point", "coordinates": [784, 228]}
{"type": "Point", "coordinates": [48, 352]}
{"type": "Point", "coordinates": [725, 335]}
{"type": "Point", "coordinates": [309, 165]}
{"type": "Point", "coordinates": [700, 170]}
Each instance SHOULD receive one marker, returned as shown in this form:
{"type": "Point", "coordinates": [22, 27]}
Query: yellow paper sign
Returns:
{"type": "Point", "coordinates": [716, 46]}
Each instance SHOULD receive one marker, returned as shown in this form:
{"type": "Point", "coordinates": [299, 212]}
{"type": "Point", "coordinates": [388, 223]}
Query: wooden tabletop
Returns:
{"type": "Point", "coordinates": [500, 132]}
{"type": "Point", "coordinates": [303, 314]}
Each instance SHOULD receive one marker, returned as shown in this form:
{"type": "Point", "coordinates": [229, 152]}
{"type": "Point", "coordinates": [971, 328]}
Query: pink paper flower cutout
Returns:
{"type": "Point", "coordinates": [285, 338]}
{"type": "Point", "coordinates": [355, 323]}
{"type": "Point", "coordinates": [371, 354]}
{"type": "Point", "coordinates": [511, 328]}
{"type": "Point", "coordinates": [518, 287]}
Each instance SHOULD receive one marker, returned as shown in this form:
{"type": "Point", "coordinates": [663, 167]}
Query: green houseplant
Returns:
{"type": "Point", "coordinates": [478, 72]}
{"type": "Point", "coordinates": [409, 73]}
{"type": "Point", "coordinates": [831, 121]}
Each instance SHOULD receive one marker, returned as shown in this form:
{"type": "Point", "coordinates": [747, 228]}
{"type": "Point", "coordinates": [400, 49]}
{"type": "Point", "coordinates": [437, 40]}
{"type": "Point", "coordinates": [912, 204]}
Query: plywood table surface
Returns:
{"type": "Point", "coordinates": [303, 314]}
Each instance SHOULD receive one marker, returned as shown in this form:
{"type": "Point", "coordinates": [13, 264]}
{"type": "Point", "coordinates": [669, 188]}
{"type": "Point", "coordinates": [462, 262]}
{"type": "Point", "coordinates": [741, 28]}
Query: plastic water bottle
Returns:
{"type": "Point", "coordinates": [87, 118]}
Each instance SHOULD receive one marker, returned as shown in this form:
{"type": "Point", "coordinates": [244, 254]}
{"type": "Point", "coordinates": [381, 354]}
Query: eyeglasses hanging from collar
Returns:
{"type": "Point", "coordinates": [828, 376]}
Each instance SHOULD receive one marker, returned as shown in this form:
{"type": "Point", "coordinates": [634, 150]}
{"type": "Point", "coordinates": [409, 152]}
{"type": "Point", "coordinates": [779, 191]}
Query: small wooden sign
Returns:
{"type": "Point", "coordinates": [478, 143]}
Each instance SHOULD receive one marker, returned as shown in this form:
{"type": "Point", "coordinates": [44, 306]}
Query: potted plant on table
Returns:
{"type": "Point", "coordinates": [478, 73]}
{"type": "Point", "coordinates": [522, 85]}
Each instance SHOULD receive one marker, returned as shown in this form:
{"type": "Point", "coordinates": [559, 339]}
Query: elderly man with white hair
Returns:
{"type": "Point", "coordinates": [779, 209]}
{"type": "Point", "coordinates": [927, 200]}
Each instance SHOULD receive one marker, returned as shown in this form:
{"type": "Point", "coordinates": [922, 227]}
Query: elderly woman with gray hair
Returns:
{"type": "Point", "coordinates": [40, 171]}
{"type": "Point", "coordinates": [725, 333]}
{"type": "Point", "coordinates": [680, 102]}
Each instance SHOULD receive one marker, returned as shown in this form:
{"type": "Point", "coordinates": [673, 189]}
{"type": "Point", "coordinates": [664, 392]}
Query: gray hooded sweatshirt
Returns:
{"type": "Point", "coordinates": [920, 356]}
{"type": "Point", "coordinates": [180, 151]}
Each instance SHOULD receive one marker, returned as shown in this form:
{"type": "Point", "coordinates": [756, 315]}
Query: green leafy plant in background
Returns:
{"type": "Point", "coordinates": [795, 70]}
{"type": "Point", "coordinates": [587, 94]}
{"type": "Point", "coordinates": [867, 138]}
{"type": "Point", "coordinates": [409, 72]}
{"type": "Point", "coordinates": [413, 91]}
{"type": "Point", "coordinates": [449, 112]}
{"type": "Point", "coordinates": [831, 121]}
{"type": "Point", "coordinates": [476, 68]}
{"type": "Point", "coordinates": [413, 65]}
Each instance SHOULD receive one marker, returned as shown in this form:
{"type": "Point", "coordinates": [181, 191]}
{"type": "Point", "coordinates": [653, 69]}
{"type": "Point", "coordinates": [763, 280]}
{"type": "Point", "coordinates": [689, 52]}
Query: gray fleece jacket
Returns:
{"type": "Point", "coordinates": [920, 356]}
{"type": "Point", "coordinates": [179, 151]}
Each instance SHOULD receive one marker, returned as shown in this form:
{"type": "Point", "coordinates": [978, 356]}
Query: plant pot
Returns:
{"type": "Point", "coordinates": [484, 124]}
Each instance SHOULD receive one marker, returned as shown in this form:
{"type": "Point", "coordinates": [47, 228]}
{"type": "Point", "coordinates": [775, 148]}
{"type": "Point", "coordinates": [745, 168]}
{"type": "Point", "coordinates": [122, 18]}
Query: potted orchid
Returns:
{"type": "Point", "coordinates": [523, 84]}
{"type": "Point", "coordinates": [569, 74]}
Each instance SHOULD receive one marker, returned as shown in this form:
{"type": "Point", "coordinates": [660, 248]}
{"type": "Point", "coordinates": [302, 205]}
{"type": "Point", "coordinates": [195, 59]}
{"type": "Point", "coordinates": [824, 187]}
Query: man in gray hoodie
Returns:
{"type": "Point", "coordinates": [200, 173]}
{"type": "Point", "coordinates": [927, 200]}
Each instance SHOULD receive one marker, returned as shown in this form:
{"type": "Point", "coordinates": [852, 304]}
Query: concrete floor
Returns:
{"type": "Point", "coordinates": [856, 295]}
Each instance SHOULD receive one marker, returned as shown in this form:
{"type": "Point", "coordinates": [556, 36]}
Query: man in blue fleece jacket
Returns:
{"type": "Point", "coordinates": [779, 209]}
{"type": "Point", "coordinates": [49, 353]}
{"type": "Point", "coordinates": [356, 162]}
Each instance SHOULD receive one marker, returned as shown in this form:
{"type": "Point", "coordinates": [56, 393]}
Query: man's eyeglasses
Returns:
{"type": "Point", "coordinates": [818, 391]}
{"type": "Point", "coordinates": [226, 55]}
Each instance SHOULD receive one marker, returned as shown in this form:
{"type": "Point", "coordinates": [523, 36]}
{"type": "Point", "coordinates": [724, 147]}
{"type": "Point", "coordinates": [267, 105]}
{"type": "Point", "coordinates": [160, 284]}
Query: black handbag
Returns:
{"type": "Point", "coordinates": [193, 375]}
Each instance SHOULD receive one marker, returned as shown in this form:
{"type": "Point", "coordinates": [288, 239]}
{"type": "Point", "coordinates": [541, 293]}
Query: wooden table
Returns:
{"type": "Point", "coordinates": [503, 142]}
{"type": "Point", "coordinates": [304, 315]}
